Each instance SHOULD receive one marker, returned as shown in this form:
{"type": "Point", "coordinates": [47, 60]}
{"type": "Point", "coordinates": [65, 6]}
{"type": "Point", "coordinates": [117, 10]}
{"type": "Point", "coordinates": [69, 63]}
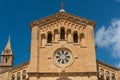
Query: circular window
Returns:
{"type": "Point", "coordinates": [62, 57]}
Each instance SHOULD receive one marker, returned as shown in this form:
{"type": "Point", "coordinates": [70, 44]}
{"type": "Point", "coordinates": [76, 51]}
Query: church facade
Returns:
{"type": "Point", "coordinates": [62, 48]}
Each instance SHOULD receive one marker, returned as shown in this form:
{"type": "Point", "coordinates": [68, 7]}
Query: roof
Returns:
{"type": "Point", "coordinates": [108, 65]}
{"type": "Point", "coordinates": [62, 15]}
{"type": "Point", "coordinates": [19, 66]}
{"type": "Point", "coordinates": [13, 68]}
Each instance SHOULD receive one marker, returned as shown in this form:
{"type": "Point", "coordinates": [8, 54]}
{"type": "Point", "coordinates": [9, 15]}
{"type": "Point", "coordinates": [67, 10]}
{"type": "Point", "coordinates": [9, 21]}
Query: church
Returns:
{"type": "Point", "coordinates": [62, 48]}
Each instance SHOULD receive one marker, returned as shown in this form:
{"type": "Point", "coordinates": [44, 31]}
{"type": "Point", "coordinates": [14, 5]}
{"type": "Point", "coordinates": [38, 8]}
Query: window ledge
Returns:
{"type": "Point", "coordinates": [48, 44]}
{"type": "Point", "coordinates": [41, 47]}
{"type": "Point", "coordinates": [83, 46]}
{"type": "Point", "coordinates": [62, 40]}
{"type": "Point", "coordinates": [70, 42]}
{"type": "Point", "coordinates": [55, 42]}
{"type": "Point", "coordinates": [76, 44]}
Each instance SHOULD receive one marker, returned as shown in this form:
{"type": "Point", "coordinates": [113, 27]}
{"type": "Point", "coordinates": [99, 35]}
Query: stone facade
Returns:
{"type": "Point", "coordinates": [62, 48]}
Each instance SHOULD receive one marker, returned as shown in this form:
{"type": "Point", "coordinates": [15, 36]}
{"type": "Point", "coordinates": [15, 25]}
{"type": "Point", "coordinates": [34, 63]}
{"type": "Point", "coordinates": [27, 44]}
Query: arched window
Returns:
{"type": "Point", "coordinates": [75, 37]}
{"type": "Point", "coordinates": [113, 76]}
{"type": "Point", "coordinates": [18, 76]}
{"type": "Point", "coordinates": [24, 75]}
{"type": "Point", "coordinates": [102, 74]}
{"type": "Point", "coordinates": [49, 37]}
{"type": "Point", "coordinates": [107, 75]}
{"type": "Point", "coordinates": [62, 33]}
{"type": "Point", "coordinates": [13, 77]}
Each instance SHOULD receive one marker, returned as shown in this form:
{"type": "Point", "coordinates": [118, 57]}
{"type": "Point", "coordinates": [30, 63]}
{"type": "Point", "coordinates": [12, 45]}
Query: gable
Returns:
{"type": "Point", "coordinates": [62, 16]}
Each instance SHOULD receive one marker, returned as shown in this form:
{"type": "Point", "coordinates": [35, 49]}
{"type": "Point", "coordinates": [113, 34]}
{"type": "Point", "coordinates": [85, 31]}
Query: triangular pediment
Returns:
{"type": "Point", "coordinates": [62, 15]}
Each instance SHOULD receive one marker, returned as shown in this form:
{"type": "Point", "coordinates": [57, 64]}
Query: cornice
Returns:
{"type": "Point", "coordinates": [42, 74]}
{"type": "Point", "coordinates": [62, 15]}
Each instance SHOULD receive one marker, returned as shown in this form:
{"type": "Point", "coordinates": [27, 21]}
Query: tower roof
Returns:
{"type": "Point", "coordinates": [8, 49]}
{"type": "Point", "coordinates": [8, 45]}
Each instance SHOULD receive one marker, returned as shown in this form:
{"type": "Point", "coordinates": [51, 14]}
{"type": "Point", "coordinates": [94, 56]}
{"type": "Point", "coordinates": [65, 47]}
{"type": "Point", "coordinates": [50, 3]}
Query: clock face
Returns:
{"type": "Point", "coordinates": [62, 57]}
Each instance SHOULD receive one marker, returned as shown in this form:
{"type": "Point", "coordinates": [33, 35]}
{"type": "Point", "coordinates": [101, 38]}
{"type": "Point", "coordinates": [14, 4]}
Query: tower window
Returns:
{"type": "Point", "coordinates": [49, 38]}
{"type": "Point", "coordinates": [6, 60]}
{"type": "Point", "coordinates": [75, 37]}
{"type": "Point", "coordinates": [62, 33]}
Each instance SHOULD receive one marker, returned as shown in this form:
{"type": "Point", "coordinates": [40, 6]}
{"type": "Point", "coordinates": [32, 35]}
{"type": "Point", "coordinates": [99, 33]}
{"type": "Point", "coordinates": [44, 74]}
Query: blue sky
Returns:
{"type": "Point", "coordinates": [15, 16]}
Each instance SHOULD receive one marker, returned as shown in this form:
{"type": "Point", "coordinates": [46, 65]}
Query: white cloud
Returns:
{"type": "Point", "coordinates": [109, 37]}
{"type": "Point", "coordinates": [118, 65]}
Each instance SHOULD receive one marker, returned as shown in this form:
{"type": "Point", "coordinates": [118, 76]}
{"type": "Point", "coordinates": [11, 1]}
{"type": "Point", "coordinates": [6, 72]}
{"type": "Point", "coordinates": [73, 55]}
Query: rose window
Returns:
{"type": "Point", "coordinates": [62, 57]}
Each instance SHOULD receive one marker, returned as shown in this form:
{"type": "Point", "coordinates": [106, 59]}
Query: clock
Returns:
{"type": "Point", "coordinates": [62, 57]}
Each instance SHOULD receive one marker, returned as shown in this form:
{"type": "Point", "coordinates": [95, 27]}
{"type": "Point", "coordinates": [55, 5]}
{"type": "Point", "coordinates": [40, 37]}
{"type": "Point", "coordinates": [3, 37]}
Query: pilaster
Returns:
{"type": "Point", "coordinates": [34, 50]}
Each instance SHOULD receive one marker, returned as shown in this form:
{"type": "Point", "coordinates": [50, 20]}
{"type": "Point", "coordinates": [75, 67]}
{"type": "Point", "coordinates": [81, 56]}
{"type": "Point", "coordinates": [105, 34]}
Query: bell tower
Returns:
{"type": "Point", "coordinates": [7, 56]}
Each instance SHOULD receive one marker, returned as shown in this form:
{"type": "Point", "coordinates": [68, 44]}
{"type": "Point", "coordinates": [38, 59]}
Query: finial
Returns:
{"type": "Point", "coordinates": [62, 7]}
